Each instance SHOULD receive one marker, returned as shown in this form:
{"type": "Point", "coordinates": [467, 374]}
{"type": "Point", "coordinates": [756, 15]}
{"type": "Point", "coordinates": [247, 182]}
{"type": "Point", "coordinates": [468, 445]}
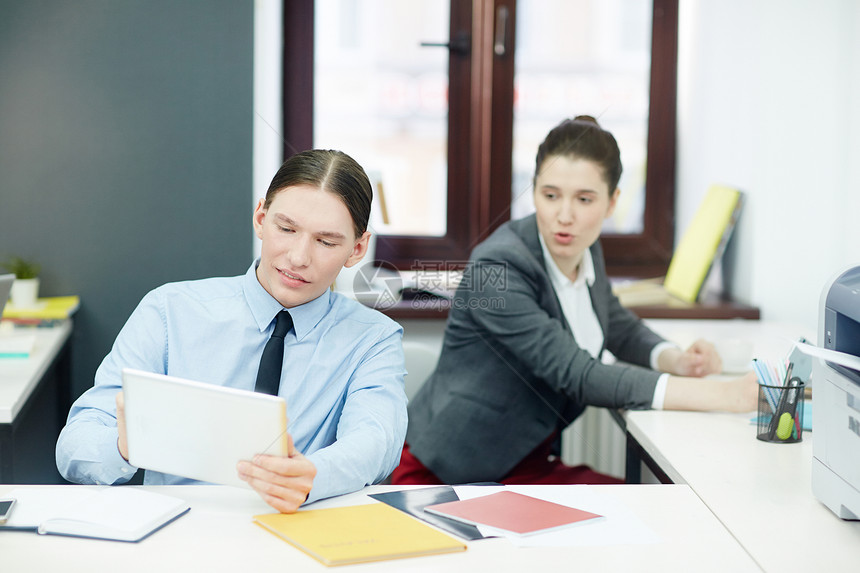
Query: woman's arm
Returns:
{"type": "Point", "coordinates": [735, 395]}
{"type": "Point", "coordinates": [700, 359]}
{"type": "Point", "coordinates": [516, 320]}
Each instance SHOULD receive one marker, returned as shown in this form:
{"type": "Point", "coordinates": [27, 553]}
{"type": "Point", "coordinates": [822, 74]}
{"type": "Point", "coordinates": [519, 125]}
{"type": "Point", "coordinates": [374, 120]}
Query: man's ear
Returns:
{"type": "Point", "coordinates": [258, 217]}
{"type": "Point", "coordinates": [358, 251]}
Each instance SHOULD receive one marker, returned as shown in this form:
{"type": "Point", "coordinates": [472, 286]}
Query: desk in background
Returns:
{"type": "Point", "coordinates": [219, 535]}
{"type": "Point", "coordinates": [760, 491]}
{"type": "Point", "coordinates": [34, 402]}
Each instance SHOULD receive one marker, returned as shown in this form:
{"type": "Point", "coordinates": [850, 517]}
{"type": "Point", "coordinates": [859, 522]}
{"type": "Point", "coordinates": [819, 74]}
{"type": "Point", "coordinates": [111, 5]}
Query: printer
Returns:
{"type": "Point", "coordinates": [836, 399]}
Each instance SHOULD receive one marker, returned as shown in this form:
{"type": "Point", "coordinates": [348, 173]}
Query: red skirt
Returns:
{"type": "Point", "coordinates": [539, 467]}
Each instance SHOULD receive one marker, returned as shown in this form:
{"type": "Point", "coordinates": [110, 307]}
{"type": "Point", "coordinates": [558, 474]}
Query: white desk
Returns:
{"type": "Point", "coordinates": [760, 491]}
{"type": "Point", "coordinates": [218, 535]}
{"type": "Point", "coordinates": [34, 402]}
{"type": "Point", "coordinates": [20, 376]}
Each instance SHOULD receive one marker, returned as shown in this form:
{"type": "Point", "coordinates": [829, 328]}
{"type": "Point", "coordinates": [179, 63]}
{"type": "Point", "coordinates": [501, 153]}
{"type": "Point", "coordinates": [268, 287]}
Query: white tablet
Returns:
{"type": "Point", "coordinates": [198, 430]}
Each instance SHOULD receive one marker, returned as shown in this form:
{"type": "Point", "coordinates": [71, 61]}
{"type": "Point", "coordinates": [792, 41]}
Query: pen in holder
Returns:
{"type": "Point", "coordinates": [780, 412]}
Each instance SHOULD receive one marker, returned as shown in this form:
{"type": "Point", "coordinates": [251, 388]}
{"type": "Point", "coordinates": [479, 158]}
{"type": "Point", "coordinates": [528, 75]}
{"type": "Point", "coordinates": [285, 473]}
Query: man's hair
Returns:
{"type": "Point", "coordinates": [332, 171]}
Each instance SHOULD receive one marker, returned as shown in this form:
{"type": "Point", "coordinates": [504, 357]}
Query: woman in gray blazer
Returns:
{"type": "Point", "coordinates": [526, 328]}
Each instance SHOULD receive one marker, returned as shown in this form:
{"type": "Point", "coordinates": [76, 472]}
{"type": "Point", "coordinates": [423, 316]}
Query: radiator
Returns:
{"type": "Point", "coordinates": [596, 440]}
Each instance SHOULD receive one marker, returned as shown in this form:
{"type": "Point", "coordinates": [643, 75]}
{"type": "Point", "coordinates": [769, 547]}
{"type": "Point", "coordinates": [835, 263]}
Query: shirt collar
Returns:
{"type": "Point", "coordinates": [264, 306]}
{"type": "Point", "coordinates": [586, 268]}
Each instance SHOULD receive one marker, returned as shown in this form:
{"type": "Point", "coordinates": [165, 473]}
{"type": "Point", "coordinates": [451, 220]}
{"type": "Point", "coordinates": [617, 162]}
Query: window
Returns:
{"type": "Point", "coordinates": [592, 57]}
{"type": "Point", "coordinates": [454, 181]}
{"type": "Point", "coordinates": [383, 97]}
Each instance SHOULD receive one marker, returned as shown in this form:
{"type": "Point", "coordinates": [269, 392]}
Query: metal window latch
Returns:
{"type": "Point", "coordinates": [459, 45]}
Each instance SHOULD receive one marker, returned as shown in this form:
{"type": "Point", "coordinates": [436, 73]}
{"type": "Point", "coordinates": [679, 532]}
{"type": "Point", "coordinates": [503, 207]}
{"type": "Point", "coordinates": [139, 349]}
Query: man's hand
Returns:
{"type": "Point", "coordinates": [283, 482]}
{"type": "Point", "coordinates": [122, 439]}
{"type": "Point", "coordinates": [700, 359]}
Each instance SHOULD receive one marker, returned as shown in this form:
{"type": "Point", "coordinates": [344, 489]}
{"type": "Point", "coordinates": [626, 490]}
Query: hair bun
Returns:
{"type": "Point", "coordinates": [582, 138]}
{"type": "Point", "coordinates": [587, 119]}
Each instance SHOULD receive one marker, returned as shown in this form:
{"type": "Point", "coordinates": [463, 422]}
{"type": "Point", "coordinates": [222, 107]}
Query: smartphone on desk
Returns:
{"type": "Point", "coordinates": [6, 505]}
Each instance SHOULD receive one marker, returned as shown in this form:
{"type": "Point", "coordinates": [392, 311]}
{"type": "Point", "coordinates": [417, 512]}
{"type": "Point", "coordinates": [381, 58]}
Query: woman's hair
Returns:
{"type": "Point", "coordinates": [582, 138]}
{"type": "Point", "coordinates": [332, 171]}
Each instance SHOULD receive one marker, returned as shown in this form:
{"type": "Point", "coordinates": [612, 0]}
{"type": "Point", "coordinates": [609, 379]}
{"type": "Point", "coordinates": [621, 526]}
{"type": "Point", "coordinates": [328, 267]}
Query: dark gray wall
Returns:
{"type": "Point", "coordinates": [125, 150]}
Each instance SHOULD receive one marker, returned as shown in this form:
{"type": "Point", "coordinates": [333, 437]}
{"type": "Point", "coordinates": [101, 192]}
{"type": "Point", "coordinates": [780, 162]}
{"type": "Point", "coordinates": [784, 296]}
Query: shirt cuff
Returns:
{"type": "Point", "coordinates": [116, 469]}
{"type": "Point", "coordinates": [660, 392]}
{"type": "Point", "coordinates": [658, 350]}
{"type": "Point", "coordinates": [322, 486]}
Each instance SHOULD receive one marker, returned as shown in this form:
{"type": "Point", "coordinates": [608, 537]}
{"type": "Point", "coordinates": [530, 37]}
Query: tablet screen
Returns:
{"type": "Point", "coordinates": [197, 430]}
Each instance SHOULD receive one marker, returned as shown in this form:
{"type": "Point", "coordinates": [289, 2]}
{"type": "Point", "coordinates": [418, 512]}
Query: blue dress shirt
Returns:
{"type": "Point", "coordinates": [342, 378]}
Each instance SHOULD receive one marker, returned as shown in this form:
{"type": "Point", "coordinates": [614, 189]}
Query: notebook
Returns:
{"type": "Point", "coordinates": [413, 502]}
{"type": "Point", "coordinates": [514, 513]}
{"type": "Point", "coordinates": [197, 430]}
{"type": "Point", "coordinates": [703, 242]}
{"type": "Point", "coordinates": [358, 534]}
{"type": "Point", "coordinates": [117, 513]}
{"type": "Point", "coordinates": [699, 250]}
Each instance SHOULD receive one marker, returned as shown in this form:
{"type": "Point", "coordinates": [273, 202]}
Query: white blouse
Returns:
{"type": "Point", "coordinates": [576, 306]}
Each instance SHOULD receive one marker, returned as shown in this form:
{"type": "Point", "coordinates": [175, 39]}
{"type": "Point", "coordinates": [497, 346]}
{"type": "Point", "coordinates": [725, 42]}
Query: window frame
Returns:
{"type": "Point", "coordinates": [480, 136]}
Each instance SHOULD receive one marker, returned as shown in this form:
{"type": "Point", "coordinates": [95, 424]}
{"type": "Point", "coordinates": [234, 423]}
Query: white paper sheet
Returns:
{"type": "Point", "coordinates": [841, 358]}
{"type": "Point", "coordinates": [16, 345]}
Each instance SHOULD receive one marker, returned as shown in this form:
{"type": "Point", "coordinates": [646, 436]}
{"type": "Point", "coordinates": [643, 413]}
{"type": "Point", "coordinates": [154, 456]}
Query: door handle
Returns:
{"type": "Point", "coordinates": [500, 44]}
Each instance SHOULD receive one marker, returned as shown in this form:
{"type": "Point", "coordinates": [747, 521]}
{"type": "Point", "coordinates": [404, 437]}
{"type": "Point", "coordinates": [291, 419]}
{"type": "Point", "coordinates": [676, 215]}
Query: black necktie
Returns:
{"type": "Point", "coordinates": [269, 374]}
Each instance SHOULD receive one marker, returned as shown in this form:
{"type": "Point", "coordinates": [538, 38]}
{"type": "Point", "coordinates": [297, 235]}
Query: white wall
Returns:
{"type": "Point", "coordinates": [768, 102]}
{"type": "Point", "coordinates": [268, 115]}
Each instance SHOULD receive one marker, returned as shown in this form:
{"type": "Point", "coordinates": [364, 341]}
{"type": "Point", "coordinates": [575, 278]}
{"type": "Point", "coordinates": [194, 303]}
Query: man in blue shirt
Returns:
{"type": "Point", "coordinates": [343, 367]}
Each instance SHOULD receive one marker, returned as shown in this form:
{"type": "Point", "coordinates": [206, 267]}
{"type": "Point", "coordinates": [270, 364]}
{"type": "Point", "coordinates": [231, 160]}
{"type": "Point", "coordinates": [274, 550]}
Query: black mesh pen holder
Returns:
{"type": "Point", "coordinates": [780, 412]}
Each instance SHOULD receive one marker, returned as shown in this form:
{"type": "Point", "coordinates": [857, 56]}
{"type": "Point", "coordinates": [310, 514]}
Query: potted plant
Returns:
{"type": "Point", "coordinates": [25, 289]}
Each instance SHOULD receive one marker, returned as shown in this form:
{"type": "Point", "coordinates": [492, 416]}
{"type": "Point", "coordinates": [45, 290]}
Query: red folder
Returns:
{"type": "Point", "coordinates": [513, 512]}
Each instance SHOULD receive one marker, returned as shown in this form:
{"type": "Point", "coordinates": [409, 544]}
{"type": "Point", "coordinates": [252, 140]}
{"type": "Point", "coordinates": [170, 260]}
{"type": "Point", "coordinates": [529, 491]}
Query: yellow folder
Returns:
{"type": "Point", "coordinates": [702, 242]}
{"type": "Point", "coordinates": [358, 533]}
{"type": "Point", "coordinates": [50, 308]}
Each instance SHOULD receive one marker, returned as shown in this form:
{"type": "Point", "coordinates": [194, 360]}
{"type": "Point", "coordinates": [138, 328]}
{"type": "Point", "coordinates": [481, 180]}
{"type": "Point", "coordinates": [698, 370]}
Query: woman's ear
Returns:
{"type": "Point", "coordinates": [613, 201]}
{"type": "Point", "coordinates": [358, 251]}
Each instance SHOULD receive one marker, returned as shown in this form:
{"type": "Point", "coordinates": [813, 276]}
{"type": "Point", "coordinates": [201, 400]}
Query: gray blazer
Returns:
{"type": "Point", "coordinates": [510, 372]}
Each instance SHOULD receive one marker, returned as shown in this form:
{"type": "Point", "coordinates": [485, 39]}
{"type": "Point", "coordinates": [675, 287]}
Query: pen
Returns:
{"type": "Point", "coordinates": [789, 409]}
{"type": "Point", "coordinates": [764, 382]}
{"type": "Point", "coordinates": [794, 390]}
{"type": "Point", "coordinates": [781, 373]}
{"type": "Point", "coordinates": [787, 378]}
{"type": "Point", "coordinates": [796, 425]}
{"type": "Point", "coordinates": [787, 399]}
{"type": "Point", "coordinates": [764, 377]}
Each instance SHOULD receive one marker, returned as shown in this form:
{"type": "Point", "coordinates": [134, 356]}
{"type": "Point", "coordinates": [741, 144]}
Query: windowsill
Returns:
{"type": "Point", "coordinates": [421, 303]}
{"type": "Point", "coordinates": [710, 308]}
{"type": "Point", "coordinates": [428, 308]}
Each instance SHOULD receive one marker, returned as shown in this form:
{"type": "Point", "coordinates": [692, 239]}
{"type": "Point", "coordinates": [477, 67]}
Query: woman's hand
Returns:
{"type": "Point", "coordinates": [700, 359]}
{"type": "Point", "coordinates": [743, 393]}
